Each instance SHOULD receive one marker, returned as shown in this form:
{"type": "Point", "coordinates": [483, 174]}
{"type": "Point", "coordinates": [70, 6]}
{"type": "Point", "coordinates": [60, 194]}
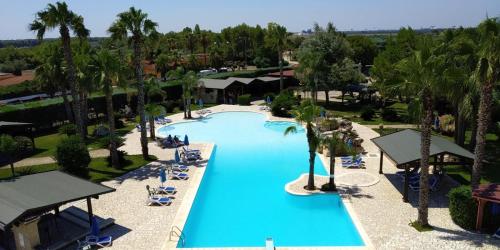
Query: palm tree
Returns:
{"type": "Point", "coordinates": [422, 73]}
{"type": "Point", "coordinates": [306, 113]}
{"type": "Point", "coordinates": [487, 74]}
{"type": "Point", "coordinates": [204, 41]}
{"type": "Point", "coordinates": [139, 26]}
{"type": "Point", "coordinates": [59, 15]}
{"type": "Point", "coordinates": [108, 72]}
{"type": "Point", "coordinates": [189, 81]}
{"type": "Point", "coordinates": [153, 110]}
{"type": "Point", "coordinates": [331, 142]}
{"type": "Point", "coordinates": [277, 38]}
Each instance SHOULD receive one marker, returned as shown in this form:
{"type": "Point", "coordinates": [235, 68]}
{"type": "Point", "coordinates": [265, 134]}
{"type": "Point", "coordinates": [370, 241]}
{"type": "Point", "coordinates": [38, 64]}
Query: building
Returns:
{"type": "Point", "coordinates": [228, 90]}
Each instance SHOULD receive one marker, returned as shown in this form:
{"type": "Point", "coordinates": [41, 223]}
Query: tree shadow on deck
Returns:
{"type": "Point", "coordinates": [476, 239]}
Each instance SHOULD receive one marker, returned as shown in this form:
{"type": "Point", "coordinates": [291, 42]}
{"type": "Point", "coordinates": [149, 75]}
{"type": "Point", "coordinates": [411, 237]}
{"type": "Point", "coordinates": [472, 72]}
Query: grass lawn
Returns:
{"type": "Point", "coordinates": [462, 174]}
{"type": "Point", "coordinates": [353, 111]}
{"type": "Point", "coordinates": [99, 169]}
{"type": "Point", "coordinates": [46, 145]}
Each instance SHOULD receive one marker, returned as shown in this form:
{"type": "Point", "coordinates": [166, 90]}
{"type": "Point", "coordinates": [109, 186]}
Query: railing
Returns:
{"type": "Point", "coordinates": [177, 232]}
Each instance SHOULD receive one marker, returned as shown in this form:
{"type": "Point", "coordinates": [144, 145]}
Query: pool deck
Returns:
{"type": "Point", "coordinates": [377, 210]}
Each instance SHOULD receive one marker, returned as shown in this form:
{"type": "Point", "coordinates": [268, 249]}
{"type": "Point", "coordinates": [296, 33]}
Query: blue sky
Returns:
{"type": "Point", "coordinates": [296, 15]}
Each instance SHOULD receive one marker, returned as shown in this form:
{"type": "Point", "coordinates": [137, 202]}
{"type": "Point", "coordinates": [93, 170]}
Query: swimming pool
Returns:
{"type": "Point", "coordinates": [242, 201]}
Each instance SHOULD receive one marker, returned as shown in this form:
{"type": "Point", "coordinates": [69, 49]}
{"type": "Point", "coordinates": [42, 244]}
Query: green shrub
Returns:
{"type": "Point", "coordinates": [389, 114]}
{"type": "Point", "coordinates": [244, 99]}
{"type": "Point", "coordinates": [67, 129]}
{"type": "Point", "coordinates": [367, 113]}
{"type": "Point", "coordinates": [24, 146]}
{"type": "Point", "coordinates": [463, 207]}
{"type": "Point", "coordinates": [283, 103]}
{"type": "Point", "coordinates": [73, 156]}
{"type": "Point", "coordinates": [118, 120]}
{"type": "Point", "coordinates": [106, 140]}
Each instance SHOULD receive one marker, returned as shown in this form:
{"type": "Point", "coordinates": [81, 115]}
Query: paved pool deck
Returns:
{"type": "Point", "coordinates": [377, 208]}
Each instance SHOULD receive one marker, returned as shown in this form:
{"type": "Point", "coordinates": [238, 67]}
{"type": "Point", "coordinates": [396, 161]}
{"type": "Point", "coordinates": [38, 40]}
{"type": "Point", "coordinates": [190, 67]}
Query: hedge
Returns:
{"type": "Point", "coordinates": [244, 99]}
{"type": "Point", "coordinates": [463, 207]}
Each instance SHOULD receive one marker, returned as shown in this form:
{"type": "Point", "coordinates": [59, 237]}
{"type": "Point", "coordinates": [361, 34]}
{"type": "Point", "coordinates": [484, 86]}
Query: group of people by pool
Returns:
{"type": "Point", "coordinates": [171, 142]}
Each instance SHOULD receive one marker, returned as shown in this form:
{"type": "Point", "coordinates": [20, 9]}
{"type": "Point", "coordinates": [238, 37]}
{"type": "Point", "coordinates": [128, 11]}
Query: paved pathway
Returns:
{"type": "Point", "coordinates": [401, 126]}
{"type": "Point", "coordinates": [32, 161]}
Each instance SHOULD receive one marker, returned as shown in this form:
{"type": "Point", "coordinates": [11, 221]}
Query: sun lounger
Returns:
{"type": "Point", "coordinates": [191, 151]}
{"type": "Point", "coordinates": [179, 176]}
{"type": "Point", "coordinates": [104, 241]}
{"type": "Point", "coordinates": [167, 190]}
{"type": "Point", "coordinates": [180, 168]}
{"type": "Point", "coordinates": [355, 164]}
{"type": "Point", "coordinates": [158, 200]}
{"type": "Point", "coordinates": [497, 234]}
{"type": "Point", "coordinates": [350, 158]}
{"type": "Point", "coordinates": [433, 183]}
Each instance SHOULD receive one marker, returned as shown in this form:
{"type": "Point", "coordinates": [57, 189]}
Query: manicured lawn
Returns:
{"type": "Point", "coordinates": [99, 169]}
{"type": "Point", "coordinates": [353, 112]}
{"type": "Point", "coordinates": [462, 174]}
{"type": "Point", "coordinates": [46, 145]}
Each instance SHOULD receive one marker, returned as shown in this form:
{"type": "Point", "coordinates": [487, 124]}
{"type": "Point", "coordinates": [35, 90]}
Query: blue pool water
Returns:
{"type": "Point", "coordinates": [242, 201]}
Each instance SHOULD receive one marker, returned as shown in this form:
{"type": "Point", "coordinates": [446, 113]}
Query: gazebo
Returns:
{"type": "Point", "coordinates": [17, 128]}
{"type": "Point", "coordinates": [403, 148]}
{"type": "Point", "coordinates": [25, 199]}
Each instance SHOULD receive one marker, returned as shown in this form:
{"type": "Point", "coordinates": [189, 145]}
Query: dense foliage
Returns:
{"type": "Point", "coordinates": [244, 99]}
{"type": "Point", "coordinates": [463, 207]}
{"type": "Point", "coordinates": [73, 156]}
{"type": "Point", "coordinates": [283, 103]}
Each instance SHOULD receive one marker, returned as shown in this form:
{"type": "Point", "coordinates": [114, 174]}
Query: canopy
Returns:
{"type": "Point", "coordinates": [404, 146]}
{"type": "Point", "coordinates": [38, 192]}
{"type": "Point", "coordinates": [177, 156]}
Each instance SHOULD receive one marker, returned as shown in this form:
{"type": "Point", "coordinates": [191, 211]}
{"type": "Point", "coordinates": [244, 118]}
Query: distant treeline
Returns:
{"type": "Point", "coordinates": [26, 43]}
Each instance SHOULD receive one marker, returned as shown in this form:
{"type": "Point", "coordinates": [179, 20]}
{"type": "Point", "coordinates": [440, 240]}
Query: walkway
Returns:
{"type": "Point", "coordinates": [32, 161]}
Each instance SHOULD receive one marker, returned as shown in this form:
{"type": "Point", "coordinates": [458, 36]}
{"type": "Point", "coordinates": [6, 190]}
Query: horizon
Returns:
{"type": "Point", "coordinates": [298, 15]}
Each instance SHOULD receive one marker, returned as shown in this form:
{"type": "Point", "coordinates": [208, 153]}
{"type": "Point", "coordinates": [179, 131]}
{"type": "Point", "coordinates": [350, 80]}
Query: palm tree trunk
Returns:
{"type": "Point", "coordinates": [84, 114]}
{"type": "Point", "coordinates": [189, 108]}
{"type": "Point", "coordinates": [423, 197]}
{"type": "Point", "coordinates": [331, 184]}
{"type": "Point", "coordinates": [483, 119]}
{"type": "Point", "coordinates": [140, 97]}
{"type": "Point", "coordinates": [327, 98]}
{"type": "Point", "coordinates": [113, 152]}
{"type": "Point", "coordinates": [185, 107]}
{"type": "Point", "coordinates": [280, 61]}
{"type": "Point", "coordinates": [312, 156]}
{"type": "Point", "coordinates": [12, 168]}
{"type": "Point", "coordinates": [67, 106]}
{"type": "Point", "coordinates": [68, 57]}
{"type": "Point", "coordinates": [152, 127]}
{"type": "Point", "coordinates": [472, 143]}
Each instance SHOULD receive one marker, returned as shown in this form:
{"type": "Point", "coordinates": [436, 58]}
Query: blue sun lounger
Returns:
{"type": "Point", "coordinates": [179, 176]}
{"type": "Point", "coordinates": [355, 164]}
{"type": "Point", "coordinates": [104, 241]}
{"type": "Point", "coordinates": [497, 234]}
{"type": "Point", "coordinates": [433, 183]}
{"type": "Point", "coordinates": [180, 168]}
{"type": "Point", "coordinates": [167, 190]}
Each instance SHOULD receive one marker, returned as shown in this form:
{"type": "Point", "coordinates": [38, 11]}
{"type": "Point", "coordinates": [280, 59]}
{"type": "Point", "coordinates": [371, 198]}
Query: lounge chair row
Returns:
{"type": "Point", "coordinates": [414, 180]}
{"type": "Point", "coordinates": [162, 120]}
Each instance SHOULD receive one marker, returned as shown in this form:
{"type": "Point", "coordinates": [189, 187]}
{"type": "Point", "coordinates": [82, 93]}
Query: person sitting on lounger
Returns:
{"type": "Point", "coordinates": [178, 142]}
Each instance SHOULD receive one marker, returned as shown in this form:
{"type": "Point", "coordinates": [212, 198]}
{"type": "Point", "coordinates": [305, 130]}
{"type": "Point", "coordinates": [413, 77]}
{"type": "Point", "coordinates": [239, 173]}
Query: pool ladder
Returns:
{"type": "Point", "coordinates": [177, 232]}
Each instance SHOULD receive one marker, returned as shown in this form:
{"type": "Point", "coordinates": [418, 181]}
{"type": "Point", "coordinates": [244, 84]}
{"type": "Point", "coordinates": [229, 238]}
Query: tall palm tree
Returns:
{"type": "Point", "coordinates": [153, 110]}
{"type": "Point", "coordinates": [331, 142]}
{"type": "Point", "coordinates": [136, 23]}
{"type": "Point", "coordinates": [58, 15]}
{"type": "Point", "coordinates": [205, 41]}
{"type": "Point", "coordinates": [422, 73]}
{"type": "Point", "coordinates": [277, 38]}
{"type": "Point", "coordinates": [487, 74]}
{"type": "Point", "coordinates": [189, 81]}
{"type": "Point", "coordinates": [306, 113]}
{"type": "Point", "coordinates": [108, 72]}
